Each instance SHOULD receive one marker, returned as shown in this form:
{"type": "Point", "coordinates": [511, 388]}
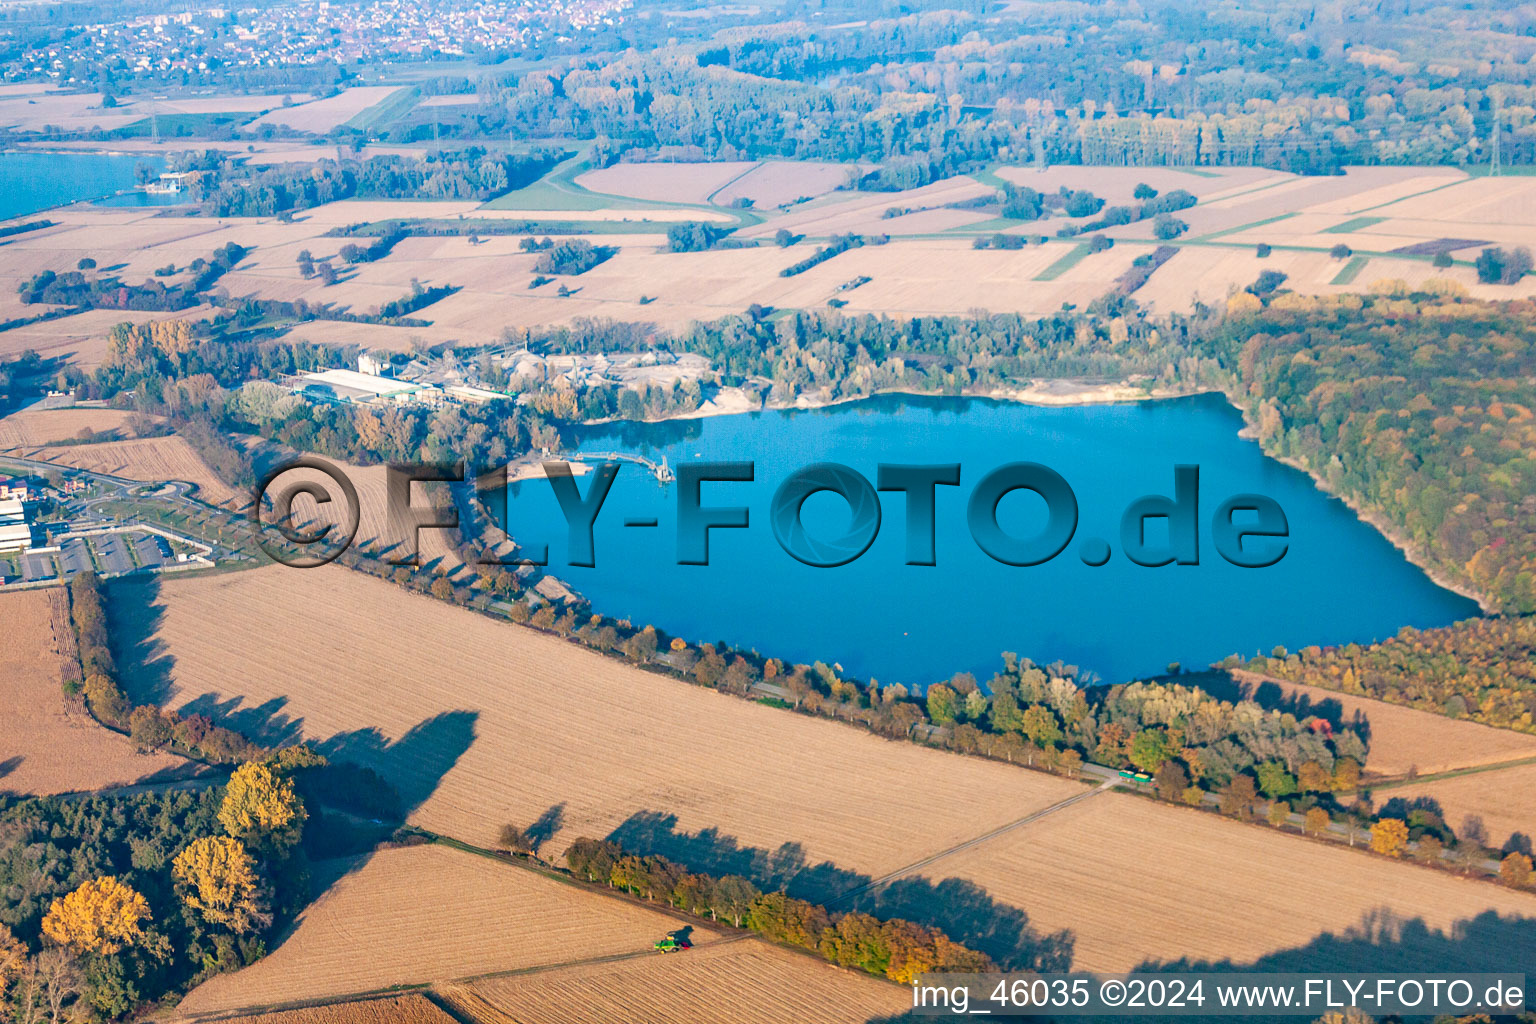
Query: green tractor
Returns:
{"type": "Point", "coordinates": [672, 944]}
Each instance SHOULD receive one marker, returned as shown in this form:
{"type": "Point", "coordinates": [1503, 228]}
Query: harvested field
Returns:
{"type": "Point", "coordinates": [1504, 799]}
{"type": "Point", "coordinates": [436, 546]}
{"type": "Point", "coordinates": [320, 116]}
{"type": "Point", "coordinates": [741, 983]}
{"type": "Point", "coordinates": [45, 426]}
{"type": "Point", "coordinates": [46, 745]}
{"type": "Point", "coordinates": [151, 458]}
{"type": "Point", "coordinates": [775, 182]}
{"type": "Point", "coordinates": [80, 339]}
{"type": "Point", "coordinates": [456, 704]}
{"type": "Point", "coordinates": [1401, 739]}
{"type": "Point", "coordinates": [864, 212]}
{"type": "Point", "coordinates": [231, 104]}
{"type": "Point", "coordinates": [412, 1009]}
{"type": "Point", "coordinates": [432, 914]}
{"type": "Point", "coordinates": [664, 182]}
{"type": "Point", "coordinates": [74, 112]}
{"type": "Point", "coordinates": [1116, 184]}
{"type": "Point", "coordinates": [1138, 882]}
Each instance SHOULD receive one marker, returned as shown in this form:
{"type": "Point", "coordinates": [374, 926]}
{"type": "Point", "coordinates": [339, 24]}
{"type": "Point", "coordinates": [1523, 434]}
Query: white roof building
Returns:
{"type": "Point", "coordinates": [352, 386]}
{"type": "Point", "coordinates": [15, 534]}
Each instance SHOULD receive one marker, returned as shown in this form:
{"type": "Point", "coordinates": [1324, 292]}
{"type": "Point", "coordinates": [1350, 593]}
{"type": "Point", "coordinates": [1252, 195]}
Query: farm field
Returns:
{"type": "Point", "coordinates": [749, 982]}
{"type": "Point", "coordinates": [1141, 883]}
{"type": "Point", "coordinates": [320, 116]}
{"type": "Point", "coordinates": [408, 1009]}
{"type": "Point", "coordinates": [432, 914]}
{"type": "Point", "coordinates": [80, 339]}
{"type": "Point", "coordinates": [1403, 739]}
{"type": "Point", "coordinates": [586, 734]}
{"type": "Point", "coordinates": [1504, 799]}
{"type": "Point", "coordinates": [46, 426]}
{"type": "Point", "coordinates": [458, 704]}
{"type": "Point", "coordinates": [46, 746]}
{"type": "Point", "coordinates": [150, 458]}
{"type": "Point", "coordinates": [692, 183]}
{"type": "Point", "coordinates": [436, 546]}
{"type": "Point", "coordinates": [34, 107]}
{"type": "Point", "coordinates": [928, 267]}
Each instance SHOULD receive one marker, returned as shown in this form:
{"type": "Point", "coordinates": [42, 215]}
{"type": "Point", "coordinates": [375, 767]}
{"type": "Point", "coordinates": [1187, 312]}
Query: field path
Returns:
{"type": "Point", "coordinates": [886, 879]}
{"type": "Point", "coordinates": [711, 197]}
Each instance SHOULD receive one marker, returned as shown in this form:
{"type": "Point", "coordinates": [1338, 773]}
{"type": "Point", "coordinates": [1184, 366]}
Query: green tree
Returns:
{"type": "Point", "coordinates": [943, 704]}
{"type": "Point", "coordinates": [1040, 725]}
{"type": "Point", "coordinates": [1275, 781]}
{"type": "Point", "coordinates": [1150, 748]}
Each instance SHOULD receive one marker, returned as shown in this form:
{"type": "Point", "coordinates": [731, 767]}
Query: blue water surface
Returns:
{"type": "Point", "coordinates": [1340, 580]}
{"type": "Point", "coordinates": [32, 182]}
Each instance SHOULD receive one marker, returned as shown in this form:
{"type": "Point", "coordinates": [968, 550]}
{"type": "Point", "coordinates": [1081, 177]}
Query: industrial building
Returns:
{"type": "Point", "coordinates": [353, 386]}
{"type": "Point", "coordinates": [15, 532]}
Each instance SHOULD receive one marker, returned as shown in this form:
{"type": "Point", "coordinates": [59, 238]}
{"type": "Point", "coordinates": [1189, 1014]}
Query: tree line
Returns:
{"type": "Point", "coordinates": [1480, 669]}
{"type": "Point", "coordinates": [75, 288]}
{"type": "Point", "coordinates": [894, 948]}
{"type": "Point", "coordinates": [231, 188]}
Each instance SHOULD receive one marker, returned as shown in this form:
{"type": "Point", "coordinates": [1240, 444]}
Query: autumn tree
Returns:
{"type": "Point", "coordinates": [1239, 797]}
{"type": "Point", "coordinates": [13, 959]}
{"type": "Point", "coordinates": [1346, 775]}
{"type": "Point", "coordinates": [1311, 777]}
{"type": "Point", "coordinates": [1171, 781]}
{"type": "Point", "coordinates": [101, 916]}
{"type": "Point", "coordinates": [261, 808]}
{"type": "Point", "coordinates": [1040, 726]}
{"type": "Point", "coordinates": [1515, 870]}
{"type": "Point", "coordinates": [1389, 837]}
{"type": "Point", "coordinates": [1316, 821]}
{"type": "Point", "coordinates": [217, 878]}
{"type": "Point", "coordinates": [1150, 748]}
{"type": "Point", "coordinates": [515, 840]}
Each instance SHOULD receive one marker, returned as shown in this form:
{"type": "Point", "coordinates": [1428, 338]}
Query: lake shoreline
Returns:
{"type": "Point", "coordinates": [1069, 392]}
{"type": "Point", "coordinates": [1371, 517]}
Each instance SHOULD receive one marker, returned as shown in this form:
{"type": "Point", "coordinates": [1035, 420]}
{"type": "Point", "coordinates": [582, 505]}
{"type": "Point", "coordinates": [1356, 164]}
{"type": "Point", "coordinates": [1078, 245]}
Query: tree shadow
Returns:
{"type": "Point", "coordinates": [415, 763]}
{"type": "Point", "coordinates": [144, 666]}
{"type": "Point", "coordinates": [545, 826]}
{"type": "Point", "coordinates": [1382, 942]}
{"type": "Point", "coordinates": [960, 908]}
{"type": "Point", "coordinates": [10, 764]}
{"type": "Point", "coordinates": [1222, 684]}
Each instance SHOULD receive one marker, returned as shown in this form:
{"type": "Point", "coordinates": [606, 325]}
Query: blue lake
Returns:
{"type": "Point", "coordinates": [1339, 581]}
{"type": "Point", "coordinates": [32, 182]}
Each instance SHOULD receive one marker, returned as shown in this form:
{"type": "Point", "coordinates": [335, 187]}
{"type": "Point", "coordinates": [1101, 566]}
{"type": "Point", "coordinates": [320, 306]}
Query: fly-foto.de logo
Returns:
{"type": "Point", "coordinates": [1247, 530]}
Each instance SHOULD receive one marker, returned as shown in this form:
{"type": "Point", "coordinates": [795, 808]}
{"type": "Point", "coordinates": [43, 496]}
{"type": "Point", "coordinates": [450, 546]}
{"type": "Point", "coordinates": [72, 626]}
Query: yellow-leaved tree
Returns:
{"type": "Point", "coordinates": [1389, 836]}
{"type": "Point", "coordinates": [217, 877]}
{"type": "Point", "coordinates": [261, 808]}
{"type": "Point", "coordinates": [102, 916]}
{"type": "Point", "coordinates": [13, 959]}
